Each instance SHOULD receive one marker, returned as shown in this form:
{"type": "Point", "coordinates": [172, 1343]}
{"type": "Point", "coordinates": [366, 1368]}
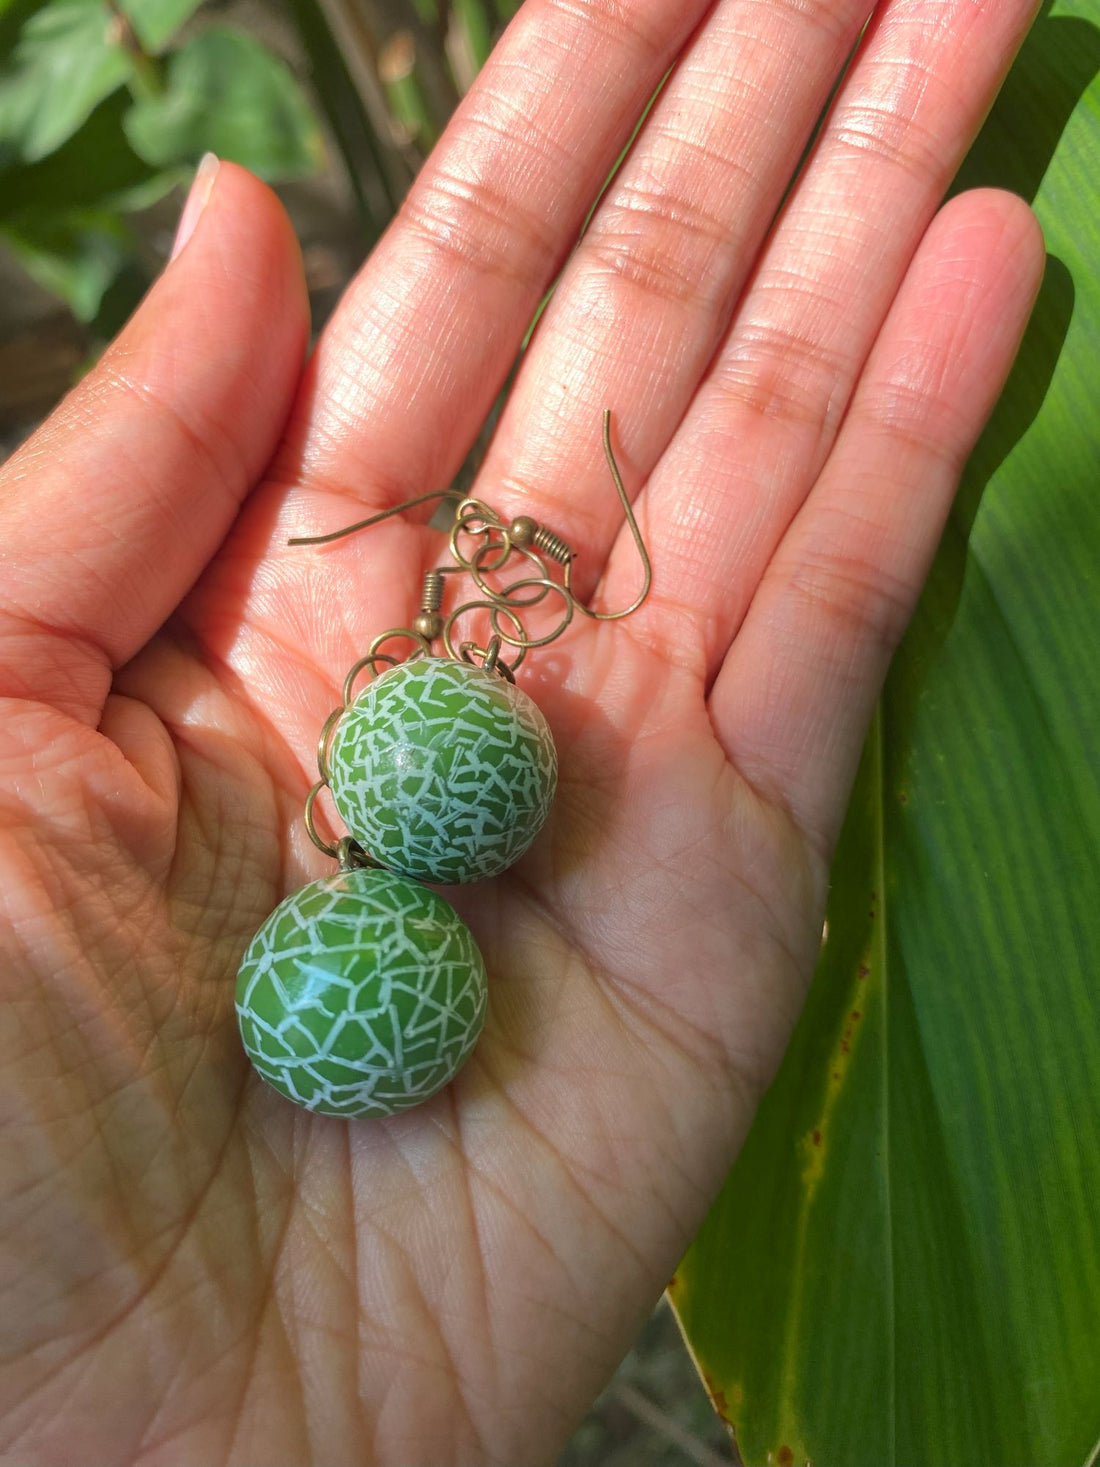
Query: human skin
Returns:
{"type": "Point", "coordinates": [192, 1271]}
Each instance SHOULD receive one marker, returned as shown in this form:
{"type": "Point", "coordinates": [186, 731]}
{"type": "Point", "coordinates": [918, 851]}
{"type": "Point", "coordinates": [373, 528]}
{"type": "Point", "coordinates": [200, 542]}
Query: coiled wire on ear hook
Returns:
{"type": "Point", "coordinates": [495, 543]}
{"type": "Point", "coordinates": [498, 541]}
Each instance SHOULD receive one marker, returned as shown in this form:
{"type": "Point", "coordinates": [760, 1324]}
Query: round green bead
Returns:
{"type": "Point", "coordinates": [443, 771]}
{"type": "Point", "coordinates": [361, 995]}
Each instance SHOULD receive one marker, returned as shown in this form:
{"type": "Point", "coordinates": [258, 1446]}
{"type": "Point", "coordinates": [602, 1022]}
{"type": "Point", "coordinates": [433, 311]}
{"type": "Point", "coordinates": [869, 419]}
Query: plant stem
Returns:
{"type": "Point", "coordinates": [384, 19]}
{"type": "Point", "coordinates": [397, 71]}
{"type": "Point", "coordinates": [469, 40]}
{"type": "Point", "coordinates": [357, 46]}
{"type": "Point", "coordinates": [147, 71]}
{"type": "Point", "coordinates": [375, 182]}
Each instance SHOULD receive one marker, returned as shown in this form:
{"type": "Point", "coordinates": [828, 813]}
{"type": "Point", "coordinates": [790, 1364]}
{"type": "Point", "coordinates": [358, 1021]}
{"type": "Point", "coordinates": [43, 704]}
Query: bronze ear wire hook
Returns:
{"type": "Point", "coordinates": [523, 535]}
{"type": "Point", "coordinates": [498, 543]}
{"type": "Point", "coordinates": [374, 519]}
{"type": "Point", "coordinates": [528, 532]}
{"type": "Point", "coordinates": [639, 542]}
{"type": "Point", "coordinates": [441, 771]}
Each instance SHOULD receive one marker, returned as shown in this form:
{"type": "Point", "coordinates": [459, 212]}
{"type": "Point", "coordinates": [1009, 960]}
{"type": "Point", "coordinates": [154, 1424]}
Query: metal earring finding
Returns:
{"type": "Point", "coordinates": [364, 993]}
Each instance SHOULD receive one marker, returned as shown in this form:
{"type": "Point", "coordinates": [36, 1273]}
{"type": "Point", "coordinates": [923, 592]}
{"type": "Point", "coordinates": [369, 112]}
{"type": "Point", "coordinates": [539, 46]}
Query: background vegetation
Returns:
{"type": "Point", "coordinates": [905, 1264]}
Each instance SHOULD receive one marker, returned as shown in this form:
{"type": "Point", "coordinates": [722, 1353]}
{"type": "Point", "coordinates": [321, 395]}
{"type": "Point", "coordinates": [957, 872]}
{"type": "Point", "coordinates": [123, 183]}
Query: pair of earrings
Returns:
{"type": "Point", "coordinates": [364, 993]}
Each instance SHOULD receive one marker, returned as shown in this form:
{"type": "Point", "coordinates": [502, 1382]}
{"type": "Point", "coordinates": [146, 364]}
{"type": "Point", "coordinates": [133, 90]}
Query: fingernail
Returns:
{"type": "Point", "coordinates": [201, 189]}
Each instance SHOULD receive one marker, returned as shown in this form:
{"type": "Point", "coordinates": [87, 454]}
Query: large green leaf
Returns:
{"type": "Point", "coordinates": [904, 1266]}
{"type": "Point", "coordinates": [96, 167]}
{"type": "Point", "coordinates": [65, 62]}
{"type": "Point", "coordinates": [155, 22]}
{"type": "Point", "coordinates": [63, 215]}
{"type": "Point", "coordinates": [76, 255]}
{"type": "Point", "coordinates": [226, 93]}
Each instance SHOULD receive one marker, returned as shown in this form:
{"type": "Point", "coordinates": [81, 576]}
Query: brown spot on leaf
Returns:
{"type": "Point", "coordinates": [721, 1405]}
{"type": "Point", "coordinates": [856, 1014]}
{"type": "Point", "coordinates": [784, 1456]}
{"type": "Point", "coordinates": [864, 971]}
{"type": "Point", "coordinates": [903, 798]}
{"type": "Point", "coordinates": [817, 1138]}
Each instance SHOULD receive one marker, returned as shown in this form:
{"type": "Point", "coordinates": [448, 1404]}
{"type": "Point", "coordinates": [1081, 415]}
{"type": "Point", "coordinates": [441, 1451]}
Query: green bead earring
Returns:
{"type": "Point", "coordinates": [443, 770]}
{"type": "Point", "coordinates": [364, 993]}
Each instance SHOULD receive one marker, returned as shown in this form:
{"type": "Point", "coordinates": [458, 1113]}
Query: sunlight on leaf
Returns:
{"type": "Point", "coordinates": [155, 22]}
{"type": "Point", "coordinates": [227, 94]}
{"type": "Point", "coordinates": [63, 65]}
{"type": "Point", "coordinates": [904, 1266]}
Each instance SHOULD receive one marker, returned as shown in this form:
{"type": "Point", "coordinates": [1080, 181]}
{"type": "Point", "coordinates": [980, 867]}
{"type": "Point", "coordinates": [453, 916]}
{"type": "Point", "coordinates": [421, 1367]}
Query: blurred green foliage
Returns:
{"type": "Point", "coordinates": [107, 105]}
{"type": "Point", "coordinates": [216, 88]}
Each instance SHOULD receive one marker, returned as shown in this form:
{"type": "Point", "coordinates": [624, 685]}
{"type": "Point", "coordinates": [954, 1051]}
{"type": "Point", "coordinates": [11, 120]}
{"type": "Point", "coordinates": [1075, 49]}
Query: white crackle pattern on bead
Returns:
{"type": "Point", "coordinates": [443, 771]}
{"type": "Point", "coordinates": [361, 995]}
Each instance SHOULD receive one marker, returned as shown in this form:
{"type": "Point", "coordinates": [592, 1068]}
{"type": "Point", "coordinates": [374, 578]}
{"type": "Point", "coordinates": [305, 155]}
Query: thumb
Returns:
{"type": "Point", "coordinates": [111, 510]}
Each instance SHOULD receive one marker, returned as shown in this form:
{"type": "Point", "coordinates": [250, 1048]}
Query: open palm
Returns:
{"type": "Point", "coordinates": [194, 1271]}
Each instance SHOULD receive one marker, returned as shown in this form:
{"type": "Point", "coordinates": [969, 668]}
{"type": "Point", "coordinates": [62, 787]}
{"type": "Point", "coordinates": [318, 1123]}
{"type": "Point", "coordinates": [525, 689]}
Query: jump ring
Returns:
{"type": "Point", "coordinates": [311, 825]}
{"type": "Point", "coordinates": [490, 606]}
{"type": "Point", "coordinates": [506, 606]}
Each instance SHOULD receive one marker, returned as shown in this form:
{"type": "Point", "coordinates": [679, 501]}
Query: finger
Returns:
{"type": "Point", "coordinates": [794, 698]}
{"type": "Point", "coordinates": [110, 512]}
{"type": "Point", "coordinates": [412, 361]}
{"type": "Point", "coordinates": [648, 294]}
{"type": "Point", "coordinates": [764, 420]}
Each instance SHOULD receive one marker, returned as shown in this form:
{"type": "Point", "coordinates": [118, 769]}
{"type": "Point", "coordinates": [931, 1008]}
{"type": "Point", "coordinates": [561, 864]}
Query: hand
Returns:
{"type": "Point", "coordinates": [193, 1270]}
